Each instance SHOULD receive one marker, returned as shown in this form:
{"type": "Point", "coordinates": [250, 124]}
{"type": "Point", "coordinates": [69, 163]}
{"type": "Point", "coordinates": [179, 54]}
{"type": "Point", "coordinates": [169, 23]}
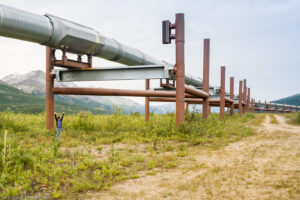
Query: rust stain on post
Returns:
{"type": "Point", "coordinates": [206, 51]}
{"type": "Point", "coordinates": [49, 89]}
{"type": "Point", "coordinates": [147, 106]}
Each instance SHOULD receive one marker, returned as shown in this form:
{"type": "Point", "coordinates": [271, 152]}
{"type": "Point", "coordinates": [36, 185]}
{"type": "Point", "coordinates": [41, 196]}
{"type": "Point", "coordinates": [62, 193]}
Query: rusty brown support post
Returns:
{"type": "Point", "coordinates": [90, 60]}
{"type": "Point", "coordinates": [259, 106]}
{"type": "Point", "coordinates": [180, 95]}
{"type": "Point", "coordinates": [248, 100]}
{"type": "Point", "coordinates": [49, 89]}
{"type": "Point", "coordinates": [245, 95]}
{"type": "Point", "coordinates": [186, 106]}
{"type": "Point", "coordinates": [222, 94]}
{"type": "Point", "coordinates": [240, 97]}
{"type": "Point", "coordinates": [232, 95]}
{"type": "Point", "coordinates": [206, 52]}
{"type": "Point", "coordinates": [265, 106]}
{"type": "Point", "coordinates": [147, 106]}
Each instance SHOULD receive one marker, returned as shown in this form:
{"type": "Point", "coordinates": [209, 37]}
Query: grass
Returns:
{"type": "Point", "coordinates": [273, 119]}
{"type": "Point", "coordinates": [95, 151]}
{"type": "Point", "coordinates": [293, 118]}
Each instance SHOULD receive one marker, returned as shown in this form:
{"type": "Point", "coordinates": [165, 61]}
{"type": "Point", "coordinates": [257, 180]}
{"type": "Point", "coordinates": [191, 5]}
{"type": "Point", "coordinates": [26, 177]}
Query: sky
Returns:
{"type": "Point", "coordinates": [257, 40]}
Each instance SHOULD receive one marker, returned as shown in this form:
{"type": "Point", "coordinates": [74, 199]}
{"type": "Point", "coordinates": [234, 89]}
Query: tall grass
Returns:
{"type": "Point", "coordinates": [294, 118]}
{"type": "Point", "coordinates": [38, 163]}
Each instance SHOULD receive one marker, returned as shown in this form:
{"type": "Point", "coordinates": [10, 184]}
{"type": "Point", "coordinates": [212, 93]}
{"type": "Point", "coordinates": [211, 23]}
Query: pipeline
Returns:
{"type": "Point", "coordinates": [59, 33]}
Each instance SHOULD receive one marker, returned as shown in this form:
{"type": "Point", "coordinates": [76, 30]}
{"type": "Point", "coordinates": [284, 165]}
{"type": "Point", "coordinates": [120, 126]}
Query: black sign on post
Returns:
{"type": "Point", "coordinates": [166, 32]}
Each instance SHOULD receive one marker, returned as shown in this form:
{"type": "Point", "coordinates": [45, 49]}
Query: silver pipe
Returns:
{"type": "Point", "coordinates": [59, 33]}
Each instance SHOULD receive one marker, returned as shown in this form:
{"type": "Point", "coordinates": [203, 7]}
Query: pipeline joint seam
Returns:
{"type": "Point", "coordinates": [120, 52]}
{"type": "Point", "coordinates": [52, 35]}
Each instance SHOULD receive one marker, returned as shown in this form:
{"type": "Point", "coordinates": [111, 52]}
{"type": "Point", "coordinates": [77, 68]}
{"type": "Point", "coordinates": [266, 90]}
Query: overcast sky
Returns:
{"type": "Point", "coordinates": [258, 40]}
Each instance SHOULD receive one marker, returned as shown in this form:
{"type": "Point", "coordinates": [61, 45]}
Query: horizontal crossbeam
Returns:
{"type": "Point", "coordinates": [139, 72]}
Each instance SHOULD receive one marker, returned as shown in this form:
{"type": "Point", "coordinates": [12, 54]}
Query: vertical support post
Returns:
{"type": "Point", "coordinates": [187, 107]}
{"type": "Point", "coordinates": [283, 108]}
{"type": "Point", "coordinates": [222, 94]}
{"type": "Point", "coordinates": [245, 95]}
{"type": "Point", "coordinates": [232, 95]}
{"type": "Point", "coordinates": [206, 52]}
{"type": "Point", "coordinates": [275, 107]}
{"type": "Point", "coordinates": [90, 60]}
{"type": "Point", "coordinates": [259, 106]}
{"type": "Point", "coordinates": [240, 97]}
{"type": "Point", "coordinates": [180, 71]}
{"type": "Point", "coordinates": [248, 100]}
{"type": "Point", "coordinates": [265, 106]}
{"type": "Point", "coordinates": [147, 106]}
{"type": "Point", "coordinates": [49, 88]}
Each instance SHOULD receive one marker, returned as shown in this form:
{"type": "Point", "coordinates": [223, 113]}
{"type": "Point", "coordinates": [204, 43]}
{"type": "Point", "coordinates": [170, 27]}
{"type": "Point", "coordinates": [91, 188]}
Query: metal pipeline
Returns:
{"type": "Point", "coordinates": [59, 33]}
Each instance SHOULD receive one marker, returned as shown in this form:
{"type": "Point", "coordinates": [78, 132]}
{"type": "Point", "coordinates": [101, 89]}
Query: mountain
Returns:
{"type": "Point", "coordinates": [15, 100]}
{"type": "Point", "coordinates": [291, 100]}
{"type": "Point", "coordinates": [34, 83]}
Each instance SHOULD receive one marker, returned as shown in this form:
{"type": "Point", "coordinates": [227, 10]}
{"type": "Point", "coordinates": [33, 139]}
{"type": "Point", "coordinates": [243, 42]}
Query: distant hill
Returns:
{"type": "Point", "coordinates": [33, 84]}
{"type": "Point", "coordinates": [291, 100]}
{"type": "Point", "coordinates": [12, 99]}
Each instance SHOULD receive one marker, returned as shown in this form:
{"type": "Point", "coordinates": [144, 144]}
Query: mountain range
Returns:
{"type": "Point", "coordinates": [291, 100]}
{"type": "Point", "coordinates": [31, 87]}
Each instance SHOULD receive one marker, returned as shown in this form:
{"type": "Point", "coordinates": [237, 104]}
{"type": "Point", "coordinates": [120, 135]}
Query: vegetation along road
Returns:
{"type": "Point", "coordinates": [121, 157]}
{"type": "Point", "coordinates": [263, 166]}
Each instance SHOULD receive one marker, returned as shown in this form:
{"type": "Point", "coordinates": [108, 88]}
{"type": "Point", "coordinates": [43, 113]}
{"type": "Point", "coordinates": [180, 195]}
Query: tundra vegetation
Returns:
{"type": "Point", "coordinates": [96, 151]}
{"type": "Point", "coordinates": [293, 118]}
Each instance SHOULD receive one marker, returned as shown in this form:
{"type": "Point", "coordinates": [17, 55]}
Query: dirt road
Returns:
{"type": "Point", "coordinates": [263, 166]}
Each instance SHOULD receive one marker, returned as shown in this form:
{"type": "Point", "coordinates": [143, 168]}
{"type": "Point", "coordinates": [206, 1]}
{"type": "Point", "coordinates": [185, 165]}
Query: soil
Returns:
{"type": "Point", "coordinates": [263, 166]}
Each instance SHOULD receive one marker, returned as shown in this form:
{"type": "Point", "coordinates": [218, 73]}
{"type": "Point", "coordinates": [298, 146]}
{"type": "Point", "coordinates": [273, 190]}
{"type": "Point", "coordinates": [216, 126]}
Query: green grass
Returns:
{"type": "Point", "coordinates": [273, 119]}
{"type": "Point", "coordinates": [293, 118]}
{"type": "Point", "coordinates": [38, 164]}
